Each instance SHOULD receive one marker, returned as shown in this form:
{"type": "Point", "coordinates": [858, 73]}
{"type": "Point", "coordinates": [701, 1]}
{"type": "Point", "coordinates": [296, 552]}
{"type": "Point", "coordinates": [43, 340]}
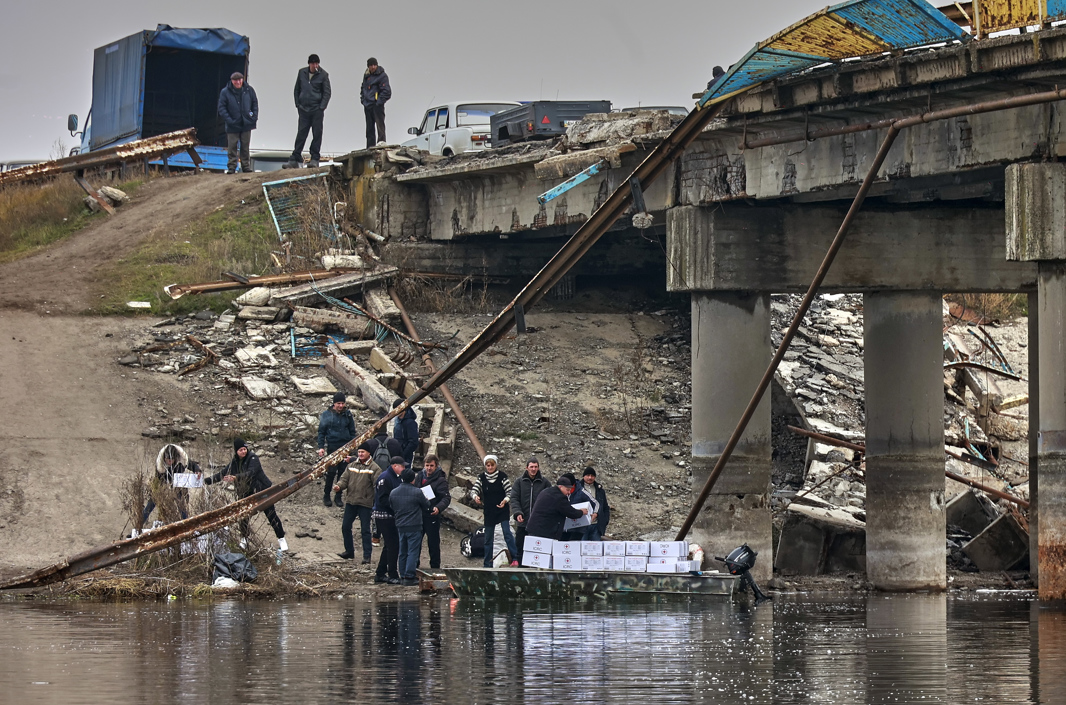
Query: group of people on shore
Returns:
{"type": "Point", "coordinates": [238, 106]}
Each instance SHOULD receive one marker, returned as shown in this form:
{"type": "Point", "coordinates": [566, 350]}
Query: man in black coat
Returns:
{"type": "Point", "coordinates": [336, 427]}
{"type": "Point", "coordinates": [524, 493]}
{"type": "Point", "coordinates": [312, 95]}
{"type": "Point", "coordinates": [239, 107]}
{"type": "Point", "coordinates": [433, 477]}
{"type": "Point", "coordinates": [386, 521]}
{"type": "Point", "coordinates": [373, 94]}
{"type": "Point", "coordinates": [405, 432]}
{"type": "Point", "coordinates": [245, 473]}
{"type": "Point", "coordinates": [552, 509]}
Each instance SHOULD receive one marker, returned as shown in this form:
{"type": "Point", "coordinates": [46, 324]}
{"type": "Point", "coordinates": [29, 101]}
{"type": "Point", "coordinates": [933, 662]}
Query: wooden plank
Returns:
{"type": "Point", "coordinates": [94, 194]}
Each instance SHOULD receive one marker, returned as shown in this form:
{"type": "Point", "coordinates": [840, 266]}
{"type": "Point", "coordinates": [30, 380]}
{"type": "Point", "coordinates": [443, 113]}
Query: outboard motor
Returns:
{"type": "Point", "coordinates": [740, 561]}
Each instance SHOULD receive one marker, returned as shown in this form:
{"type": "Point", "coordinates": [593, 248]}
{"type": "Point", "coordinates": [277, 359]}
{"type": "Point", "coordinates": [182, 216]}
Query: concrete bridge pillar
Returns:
{"type": "Point", "coordinates": [1036, 232]}
{"type": "Point", "coordinates": [730, 353]}
{"type": "Point", "coordinates": [904, 441]}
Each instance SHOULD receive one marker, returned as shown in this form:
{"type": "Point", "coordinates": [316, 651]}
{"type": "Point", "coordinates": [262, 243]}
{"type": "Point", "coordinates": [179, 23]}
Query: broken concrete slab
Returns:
{"type": "Point", "coordinates": [257, 296]}
{"type": "Point", "coordinates": [254, 356]}
{"type": "Point", "coordinates": [337, 287]}
{"type": "Point", "coordinates": [969, 513]}
{"type": "Point", "coordinates": [313, 385]}
{"type": "Point", "coordinates": [342, 261]}
{"type": "Point", "coordinates": [461, 516]}
{"type": "Point", "coordinates": [815, 541]}
{"type": "Point", "coordinates": [392, 375]}
{"type": "Point", "coordinates": [356, 379]}
{"type": "Point", "coordinates": [1001, 546]}
{"type": "Point", "coordinates": [260, 389]}
{"type": "Point", "coordinates": [320, 319]}
{"type": "Point", "coordinates": [380, 305]}
{"type": "Point", "coordinates": [358, 347]}
{"type": "Point", "coordinates": [258, 313]}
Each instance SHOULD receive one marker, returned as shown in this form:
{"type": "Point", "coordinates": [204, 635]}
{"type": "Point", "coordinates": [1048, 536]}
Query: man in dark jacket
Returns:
{"type": "Point", "coordinates": [246, 474]}
{"type": "Point", "coordinates": [434, 478]}
{"type": "Point", "coordinates": [239, 107]}
{"type": "Point", "coordinates": [408, 503]}
{"type": "Point", "coordinates": [524, 493]}
{"type": "Point", "coordinates": [312, 95]}
{"type": "Point", "coordinates": [335, 428]}
{"type": "Point", "coordinates": [386, 520]}
{"type": "Point", "coordinates": [358, 480]}
{"type": "Point", "coordinates": [405, 431]}
{"type": "Point", "coordinates": [374, 93]}
{"type": "Point", "coordinates": [591, 491]}
{"type": "Point", "coordinates": [552, 509]}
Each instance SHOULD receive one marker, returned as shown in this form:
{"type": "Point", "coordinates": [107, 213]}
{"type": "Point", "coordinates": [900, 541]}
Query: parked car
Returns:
{"type": "Point", "coordinates": [454, 128]}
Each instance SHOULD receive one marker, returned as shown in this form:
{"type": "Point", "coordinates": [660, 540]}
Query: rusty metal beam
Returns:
{"type": "Point", "coordinates": [94, 194]}
{"type": "Point", "coordinates": [235, 281]}
{"type": "Point", "coordinates": [427, 360]}
{"type": "Point", "coordinates": [148, 148]}
{"type": "Point", "coordinates": [828, 440]}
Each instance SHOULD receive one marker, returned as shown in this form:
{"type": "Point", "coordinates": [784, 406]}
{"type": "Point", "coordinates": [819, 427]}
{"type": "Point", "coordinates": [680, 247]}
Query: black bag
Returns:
{"type": "Point", "coordinates": [381, 457]}
{"type": "Point", "coordinates": [237, 567]}
{"type": "Point", "coordinates": [473, 544]}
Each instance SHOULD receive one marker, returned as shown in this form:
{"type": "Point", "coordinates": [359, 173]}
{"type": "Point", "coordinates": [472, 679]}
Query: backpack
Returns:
{"type": "Point", "coordinates": [473, 544]}
{"type": "Point", "coordinates": [381, 456]}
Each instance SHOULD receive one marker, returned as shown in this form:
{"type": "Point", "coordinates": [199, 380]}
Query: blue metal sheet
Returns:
{"type": "Point", "coordinates": [215, 41]}
{"type": "Point", "coordinates": [900, 23]}
{"type": "Point", "coordinates": [850, 29]}
{"type": "Point", "coordinates": [117, 75]}
{"type": "Point", "coordinates": [1056, 10]}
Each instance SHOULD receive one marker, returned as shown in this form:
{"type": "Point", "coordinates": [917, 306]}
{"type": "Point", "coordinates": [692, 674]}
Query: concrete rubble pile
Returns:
{"type": "Point", "coordinates": [822, 522]}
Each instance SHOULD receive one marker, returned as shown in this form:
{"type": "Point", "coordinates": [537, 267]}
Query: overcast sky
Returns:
{"type": "Point", "coordinates": [651, 53]}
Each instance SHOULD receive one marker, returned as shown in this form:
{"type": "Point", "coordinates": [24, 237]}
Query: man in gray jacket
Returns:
{"type": "Point", "coordinates": [312, 95]}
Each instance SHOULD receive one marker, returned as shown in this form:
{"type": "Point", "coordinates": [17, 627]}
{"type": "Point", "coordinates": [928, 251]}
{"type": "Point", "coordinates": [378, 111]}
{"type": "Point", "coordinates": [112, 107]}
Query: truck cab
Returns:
{"type": "Point", "coordinates": [453, 128]}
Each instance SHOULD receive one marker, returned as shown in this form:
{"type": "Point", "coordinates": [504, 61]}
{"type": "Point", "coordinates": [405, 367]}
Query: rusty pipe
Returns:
{"type": "Point", "coordinates": [901, 123]}
{"type": "Point", "coordinates": [828, 440]}
{"type": "Point", "coordinates": [805, 305]}
{"type": "Point", "coordinates": [987, 490]}
{"type": "Point", "coordinates": [445, 392]}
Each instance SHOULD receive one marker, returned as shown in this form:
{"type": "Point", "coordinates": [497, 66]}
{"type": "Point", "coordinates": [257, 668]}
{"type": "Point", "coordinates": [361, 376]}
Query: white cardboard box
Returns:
{"type": "Point", "coordinates": [614, 548]}
{"type": "Point", "coordinates": [591, 548]}
{"type": "Point", "coordinates": [536, 544]}
{"type": "Point", "coordinates": [593, 563]}
{"type": "Point", "coordinates": [566, 548]}
{"type": "Point", "coordinates": [662, 567]}
{"type": "Point", "coordinates": [583, 520]}
{"type": "Point", "coordinates": [687, 566]}
{"type": "Point", "coordinates": [656, 560]}
{"type": "Point", "coordinates": [636, 564]}
{"type": "Point", "coordinates": [637, 548]}
{"type": "Point", "coordinates": [568, 562]}
{"type": "Point", "coordinates": [615, 563]}
{"type": "Point", "coordinates": [532, 559]}
{"type": "Point", "coordinates": [677, 549]}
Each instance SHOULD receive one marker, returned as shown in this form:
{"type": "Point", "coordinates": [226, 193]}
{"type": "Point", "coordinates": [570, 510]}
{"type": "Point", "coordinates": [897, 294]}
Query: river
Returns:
{"type": "Point", "coordinates": [984, 648]}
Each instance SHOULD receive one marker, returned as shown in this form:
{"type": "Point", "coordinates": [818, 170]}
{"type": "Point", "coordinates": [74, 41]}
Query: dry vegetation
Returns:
{"type": "Point", "coordinates": [996, 307]}
{"type": "Point", "coordinates": [33, 216]}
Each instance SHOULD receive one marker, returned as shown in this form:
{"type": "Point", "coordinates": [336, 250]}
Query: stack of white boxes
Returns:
{"type": "Point", "coordinates": [608, 556]}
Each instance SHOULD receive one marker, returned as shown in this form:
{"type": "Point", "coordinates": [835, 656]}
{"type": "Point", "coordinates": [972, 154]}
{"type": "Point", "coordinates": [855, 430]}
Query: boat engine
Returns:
{"type": "Point", "coordinates": [740, 561]}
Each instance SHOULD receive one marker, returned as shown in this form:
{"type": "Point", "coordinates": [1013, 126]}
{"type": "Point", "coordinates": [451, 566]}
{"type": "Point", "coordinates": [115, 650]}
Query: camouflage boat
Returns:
{"type": "Point", "coordinates": [533, 583]}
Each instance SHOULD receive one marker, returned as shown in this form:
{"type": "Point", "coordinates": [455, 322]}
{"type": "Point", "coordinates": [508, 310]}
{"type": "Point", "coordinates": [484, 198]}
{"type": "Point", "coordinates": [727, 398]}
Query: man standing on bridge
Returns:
{"type": "Point", "coordinates": [375, 92]}
{"type": "Point", "coordinates": [239, 107]}
{"type": "Point", "coordinates": [312, 95]}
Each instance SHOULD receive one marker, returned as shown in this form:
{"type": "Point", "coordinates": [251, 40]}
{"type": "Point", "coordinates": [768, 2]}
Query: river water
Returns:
{"type": "Point", "coordinates": [990, 648]}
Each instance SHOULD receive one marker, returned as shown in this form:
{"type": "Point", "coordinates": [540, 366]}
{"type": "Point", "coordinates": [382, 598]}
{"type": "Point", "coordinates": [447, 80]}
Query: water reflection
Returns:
{"type": "Point", "coordinates": [880, 649]}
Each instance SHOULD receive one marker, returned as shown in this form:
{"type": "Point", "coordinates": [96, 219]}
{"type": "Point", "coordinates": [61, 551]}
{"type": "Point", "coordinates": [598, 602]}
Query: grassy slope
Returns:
{"type": "Point", "coordinates": [238, 238]}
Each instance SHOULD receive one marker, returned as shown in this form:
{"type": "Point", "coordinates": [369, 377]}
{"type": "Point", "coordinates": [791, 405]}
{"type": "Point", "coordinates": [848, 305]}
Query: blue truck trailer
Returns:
{"type": "Point", "coordinates": [162, 80]}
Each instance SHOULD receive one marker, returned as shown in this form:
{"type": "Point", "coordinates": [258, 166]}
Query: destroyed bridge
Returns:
{"type": "Point", "coordinates": [971, 197]}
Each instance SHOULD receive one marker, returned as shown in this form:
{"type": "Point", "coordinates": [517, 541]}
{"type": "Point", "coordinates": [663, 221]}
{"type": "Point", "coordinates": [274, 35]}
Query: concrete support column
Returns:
{"type": "Point", "coordinates": [904, 441]}
{"type": "Point", "coordinates": [1051, 442]}
{"type": "Point", "coordinates": [730, 353]}
{"type": "Point", "coordinates": [1035, 206]}
{"type": "Point", "coordinates": [1034, 447]}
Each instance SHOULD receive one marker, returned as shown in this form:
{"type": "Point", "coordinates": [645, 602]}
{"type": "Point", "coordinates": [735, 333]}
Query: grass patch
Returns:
{"type": "Point", "coordinates": [997, 307]}
{"type": "Point", "coordinates": [34, 216]}
{"type": "Point", "coordinates": [238, 238]}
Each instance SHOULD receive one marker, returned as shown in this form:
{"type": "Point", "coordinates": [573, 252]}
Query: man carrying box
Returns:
{"type": "Point", "coordinates": [552, 509]}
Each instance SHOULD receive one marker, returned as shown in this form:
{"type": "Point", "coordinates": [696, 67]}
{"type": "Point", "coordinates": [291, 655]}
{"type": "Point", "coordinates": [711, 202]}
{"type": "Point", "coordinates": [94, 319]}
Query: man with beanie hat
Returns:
{"type": "Point", "coordinates": [388, 480]}
{"type": "Point", "coordinates": [336, 427]}
{"type": "Point", "coordinates": [408, 502]}
{"type": "Point", "coordinates": [312, 95]}
{"type": "Point", "coordinates": [552, 509]}
{"type": "Point", "coordinates": [524, 493]}
{"type": "Point", "coordinates": [239, 108]}
{"type": "Point", "coordinates": [358, 480]}
{"type": "Point", "coordinates": [373, 94]}
{"type": "Point", "coordinates": [405, 431]}
{"type": "Point", "coordinates": [245, 473]}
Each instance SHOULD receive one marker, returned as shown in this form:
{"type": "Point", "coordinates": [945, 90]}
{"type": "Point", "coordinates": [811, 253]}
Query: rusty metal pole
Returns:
{"type": "Point", "coordinates": [808, 298]}
{"type": "Point", "coordinates": [445, 392]}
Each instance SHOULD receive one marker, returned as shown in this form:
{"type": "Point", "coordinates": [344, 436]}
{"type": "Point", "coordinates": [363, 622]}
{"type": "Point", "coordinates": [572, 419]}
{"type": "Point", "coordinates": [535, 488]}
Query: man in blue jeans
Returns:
{"type": "Point", "coordinates": [408, 502]}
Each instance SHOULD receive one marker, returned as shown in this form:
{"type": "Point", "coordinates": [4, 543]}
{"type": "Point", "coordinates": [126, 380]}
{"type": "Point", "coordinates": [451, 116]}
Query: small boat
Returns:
{"type": "Point", "coordinates": [536, 583]}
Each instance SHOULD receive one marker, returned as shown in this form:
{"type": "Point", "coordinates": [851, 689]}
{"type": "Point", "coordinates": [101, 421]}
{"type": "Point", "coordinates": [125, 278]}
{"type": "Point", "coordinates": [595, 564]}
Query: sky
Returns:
{"type": "Point", "coordinates": [649, 53]}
